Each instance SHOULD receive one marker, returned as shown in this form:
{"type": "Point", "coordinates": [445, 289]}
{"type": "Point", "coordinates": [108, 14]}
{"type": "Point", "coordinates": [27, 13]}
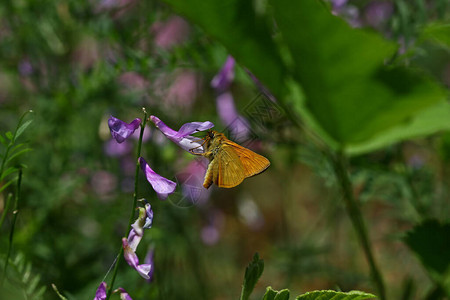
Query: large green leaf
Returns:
{"type": "Point", "coordinates": [348, 91]}
{"type": "Point", "coordinates": [431, 242]}
{"type": "Point", "coordinates": [328, 295]}
{"type": "Point", "coordinates": [245, 34]}
{"type": "Point", "coordinates": [428, 121]}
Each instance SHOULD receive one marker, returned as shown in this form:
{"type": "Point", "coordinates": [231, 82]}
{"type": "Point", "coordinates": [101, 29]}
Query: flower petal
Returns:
{"type": "Point", "coordinates": [149, 216]}
{"type": "Point", "coordinates": [123, 294]}
{"type": "Point", "coordinates": [100, 294]}
{"type": "Point", "coordinates": [162, 186]}
{"type": "Point", "coordinates": [183, 136]}
{"type": "Point", "coordinates": [129, 255]}
{"type": "Point", "coordinates": [121, 130]}
{"type": "Point", "coordinates": [222, 81]}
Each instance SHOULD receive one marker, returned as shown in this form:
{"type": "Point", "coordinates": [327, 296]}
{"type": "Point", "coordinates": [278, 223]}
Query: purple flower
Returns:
{"type": "Point", "coordinates": [237, 124]}
{"type": "Point", "coordinates": [183, 137]}
{"type": "Point", "coordinates": [149, 260]}
{"type": "Point", "coordinates": [222, 81]}
{"type": "Point", "coordinates": [100, 294]}
{"type": "Point", "coordinates": [144, 221]}
{"type": "Point", "coordinates": [191, 179]}
{"type": "Point", "coordinates": [113, 149]}
{"type": "Point", "coordinates": [162, 186]}
{"type": "Point", "coordinates": [120, 130]}
{"type": "Point", "coordinates": [377, 12]}
{"type": "Point", "coordinates": [132, 259]}
{"type": "Point", "coordinates": [123, 294]}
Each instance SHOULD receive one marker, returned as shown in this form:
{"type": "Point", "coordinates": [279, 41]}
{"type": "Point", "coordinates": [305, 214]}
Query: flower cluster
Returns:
{"type": "Point", "coordinates": [163, 187]}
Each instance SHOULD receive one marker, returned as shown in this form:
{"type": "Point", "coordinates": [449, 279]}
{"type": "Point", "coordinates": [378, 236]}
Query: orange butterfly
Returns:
{"type": "Point", "coordinates": [229, 163]}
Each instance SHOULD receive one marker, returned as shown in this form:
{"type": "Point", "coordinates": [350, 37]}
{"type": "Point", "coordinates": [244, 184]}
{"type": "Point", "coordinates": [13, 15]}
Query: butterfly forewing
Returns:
{"type": "Point", "coordinates": [252, 162]}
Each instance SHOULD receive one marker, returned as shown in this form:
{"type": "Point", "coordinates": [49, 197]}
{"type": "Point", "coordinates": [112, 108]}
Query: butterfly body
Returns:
{"type": "Point", "coordinates": [229, 163]}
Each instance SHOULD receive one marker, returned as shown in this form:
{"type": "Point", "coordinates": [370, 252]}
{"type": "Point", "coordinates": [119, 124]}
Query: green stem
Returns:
{"type": "Point", "coordinates": [357, 219]}
{"type": "Point", "coordinates": [133, 209]}
{"type": "Point", "coordinates": [6, 209]}
{"type": "Point", "coordinates": [11, 233]}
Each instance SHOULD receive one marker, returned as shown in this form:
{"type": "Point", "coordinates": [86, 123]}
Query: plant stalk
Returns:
{"type": "Point", "coordinates": [357, 219]}
{"type": "Point", "coordinates": [133, 209]}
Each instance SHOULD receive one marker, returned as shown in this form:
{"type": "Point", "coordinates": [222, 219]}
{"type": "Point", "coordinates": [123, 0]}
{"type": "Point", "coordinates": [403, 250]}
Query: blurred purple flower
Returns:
{"type": "Point", "coordinates": [173, 31]}
{"type": "Point", "coordinates": [183, 137]}
{"type": "Point", "coordinates": [191, 179]}
{"type": "Point", "coordinates": [114, 149]}
{"type": "Point", "coordinates": [378, 12]}
{"type": "Point", "coordinates": [133, 81]}
{"type": "Point", "coordinates": [347, 11]}
{"type": "Point", "coordinates": [210, 234]}
{"type": "Point", "coordinates": [150, 261]}
{"type": "Point", "coordinates": [162, 186]}
{"type": "Point", "coordinates": [103, 183]}
{"type": "Point", "coordinates": [132, 260]}
{"type": "Point", "coordinates": [237, 124]}
{"type": "Point", "coordinates": [222, 81]}
{"type": "Point", "coordinates": [25, 68]}
{"type": "Point", "coordinates": [100, 294]}
{"type": "Point", "coordinates": [121, 130]}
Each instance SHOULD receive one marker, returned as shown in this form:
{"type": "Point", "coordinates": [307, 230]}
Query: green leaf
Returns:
{"type": "Point", "coordinates": [9, 135]}
{"type": "Point", "coordinates": [252, 273]}
{"type": "Point", "coordinates": [3, 141]}
{"type": "Point", "coordinates": [271, 294]}
{"type": "Point", "coordinates": [23, 151]}
{"type": "Point", "coordinates": [243, 30]}
{"type": "Point", "coordinates": [8, 171]}
{"type": "Point", "coordinates": [22, 128]}
{"type": "Point", "coordinates": [428, 121]}
{"type": "Point", "coordinates": [430, 241]}
{"type": "Point", "coordinates": [438, 33]}
{"type": "Point", "coordinates": [348, 91]}
{"type": "Point", "coordinates": [328, 295]}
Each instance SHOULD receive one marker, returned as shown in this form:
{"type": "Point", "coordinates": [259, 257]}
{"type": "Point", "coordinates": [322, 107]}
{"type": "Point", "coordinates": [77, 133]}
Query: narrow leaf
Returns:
{"type": "Point", "coordinates": [8, 183]}
{"type": "Point", "coordinates": [7, 172]}
{"type": "Point", "coordinates": [23, 151]}
{"type": "Point", "coordinates": [329, 294]}
{"type": "Point", "coordinates": [252, 273]}
{"type": "Point", "coordinates": [21, 129]}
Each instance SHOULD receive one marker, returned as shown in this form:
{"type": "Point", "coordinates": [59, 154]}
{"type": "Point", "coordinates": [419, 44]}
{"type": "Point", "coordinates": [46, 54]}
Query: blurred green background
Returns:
{"type": "Point", "coordinates": [74, 63]}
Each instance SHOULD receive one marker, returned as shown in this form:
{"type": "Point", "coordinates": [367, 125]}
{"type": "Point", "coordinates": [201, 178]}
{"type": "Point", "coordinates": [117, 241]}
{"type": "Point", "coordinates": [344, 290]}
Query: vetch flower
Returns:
{"type": "Point", "coordinates": [162, 186]}
{"type": "Point", "coordinates": [123, 294]}
{"type": "Point", "coordinates": [183, 137]}
{"type": "Point", "coordinates": [144, 221]}
{"type": "Point", "coordinates": [237, 124]}
{"type": "Point", "coordinates": [149, 260]}
{"type": "Point", "coordinates": [100, 294]}
{"type": "Point", "coordinates": [132, 259]}
{"type": "Point", "coordinates": [222, 81]}
{"type": "Point", "coordinates": [121, 130]}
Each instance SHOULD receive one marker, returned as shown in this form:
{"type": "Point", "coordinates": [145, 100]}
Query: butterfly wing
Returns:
{"type": "Point", "coordinates": [225, 169]}
{"type": "Point", "coordinates": [252, 162]}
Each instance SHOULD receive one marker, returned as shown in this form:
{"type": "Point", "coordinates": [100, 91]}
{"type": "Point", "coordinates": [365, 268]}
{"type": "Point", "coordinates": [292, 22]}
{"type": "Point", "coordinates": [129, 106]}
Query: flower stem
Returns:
{"type": "Point", "coordinates": [357, 219]}
{"type": "Point", "coordinates": [133, 209]}
{"type": "Point", "coordinates": [13, 224]}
